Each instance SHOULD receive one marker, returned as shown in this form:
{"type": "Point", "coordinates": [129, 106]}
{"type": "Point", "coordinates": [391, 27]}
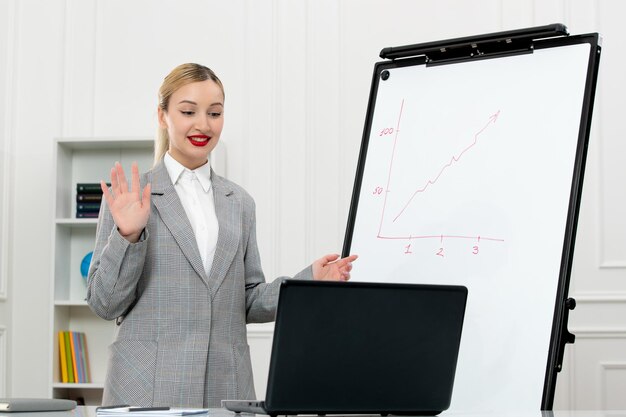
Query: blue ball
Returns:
{"type": "Point", "coordinates": [84, 265]}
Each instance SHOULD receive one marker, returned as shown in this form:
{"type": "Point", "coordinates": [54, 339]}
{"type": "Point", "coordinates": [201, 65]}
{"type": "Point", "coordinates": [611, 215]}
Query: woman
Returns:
{"type": "Point", "coordinates": [176, 263]}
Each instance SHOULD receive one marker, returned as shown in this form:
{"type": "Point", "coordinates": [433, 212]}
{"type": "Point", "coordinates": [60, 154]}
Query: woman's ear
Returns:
{"type": "Point", "coordinates": [162, 121]}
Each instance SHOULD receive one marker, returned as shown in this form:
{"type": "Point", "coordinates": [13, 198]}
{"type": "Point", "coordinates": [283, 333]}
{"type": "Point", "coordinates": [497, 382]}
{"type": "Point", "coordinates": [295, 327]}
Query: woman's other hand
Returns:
{"type": "Point", "coordinates": [331, 268]}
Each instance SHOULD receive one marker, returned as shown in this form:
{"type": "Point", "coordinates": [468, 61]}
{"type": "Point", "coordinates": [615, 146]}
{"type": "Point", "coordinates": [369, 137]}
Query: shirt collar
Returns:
{"type": "Point", "coordinates": [175, 170]}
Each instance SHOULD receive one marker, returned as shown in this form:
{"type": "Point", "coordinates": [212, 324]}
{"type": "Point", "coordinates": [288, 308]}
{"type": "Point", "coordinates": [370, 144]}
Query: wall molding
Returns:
{"type": "Point", "coordinates": [569, 381]}
{"type": "Point", "coordinates": [605, 367]}
{"type": "Point", "coordinates": [97, 62]}
{"type": "Point", "coordinates": [4, 204]}
{"type": "Point", "coordinates": [7, 147]}
{"type": "Point", "coordinates": [599, 333]}
{"type": "Point", "coordinates": [274, 125]}
{"type": "Point", "coordinates": [3, 362]}
{"type": "Point", "coordinates": [599, 297]}
{"type": "Point", "coordinates": [66, 76]}
{"type": "Point", "coordinates": [602, 133]}
{"type": "Point", "coordinates": [260, 331]}
{"type": "Point", "coordinates": [612, 265]}
{"type": "Point", "coordinates": [267, 330]}
{"type": "Point", "coordinates": [309, 124]}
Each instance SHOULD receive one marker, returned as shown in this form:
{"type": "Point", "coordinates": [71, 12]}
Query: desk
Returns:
{"type": "Point", "coordinates": [90, 411]}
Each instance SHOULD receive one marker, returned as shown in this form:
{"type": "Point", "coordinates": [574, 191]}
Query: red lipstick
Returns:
{"type": "Point", "coordinates": [198, 140]}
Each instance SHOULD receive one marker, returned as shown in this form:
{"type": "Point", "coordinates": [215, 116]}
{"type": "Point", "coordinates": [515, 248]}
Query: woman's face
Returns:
{"type": "Point", "coordinates": [194, 122]}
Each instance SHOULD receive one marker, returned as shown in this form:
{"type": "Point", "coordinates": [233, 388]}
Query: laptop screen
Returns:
{"type": "Point", "coordinates": [364, 347]}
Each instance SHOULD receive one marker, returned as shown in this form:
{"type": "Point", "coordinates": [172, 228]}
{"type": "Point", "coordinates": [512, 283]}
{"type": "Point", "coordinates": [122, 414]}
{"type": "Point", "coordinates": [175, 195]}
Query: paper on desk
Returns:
{"type": "Point", "coordinates": [147, 412]}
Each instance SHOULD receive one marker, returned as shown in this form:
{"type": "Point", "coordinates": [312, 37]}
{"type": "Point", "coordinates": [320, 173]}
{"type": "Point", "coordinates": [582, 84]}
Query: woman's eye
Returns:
{"type": "Point", "coordinates": [187, 113]}
{"type": "Point", "coordinates": [215, 114]}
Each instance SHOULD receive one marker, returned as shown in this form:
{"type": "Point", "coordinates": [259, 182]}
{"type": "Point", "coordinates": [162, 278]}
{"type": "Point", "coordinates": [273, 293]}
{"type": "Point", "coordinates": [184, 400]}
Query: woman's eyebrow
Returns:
{"type": "Point", "coordinates": [218, 103]}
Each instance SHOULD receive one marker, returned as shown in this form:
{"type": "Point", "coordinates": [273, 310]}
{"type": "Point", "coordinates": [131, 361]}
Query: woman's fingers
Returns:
{"type": "Point", "coordinates": [145, 201]}
{"type": "Point", "coordinates": [121, 177]}
{"type": "Point", "coordinates": [118, 197]}
{"type": "Point", "coordinates": [114, 183]}
{"type": "Point", "coordinates": [135, 178]}
{"type": "Point", "coordinates": [331, 257]}
{"type": "Point", "coordinates": [347, 261]}
{"type": "Point", "coordinates": [106, 193]}
{"type": "Point", "coordinates": [119, 183]}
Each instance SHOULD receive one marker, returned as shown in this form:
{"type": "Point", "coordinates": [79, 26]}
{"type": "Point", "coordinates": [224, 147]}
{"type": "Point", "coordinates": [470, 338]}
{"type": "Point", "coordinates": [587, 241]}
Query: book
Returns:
{"type": "Point", "coordinates": [62, 357]}
{"type": "Point", "coordinates": [87, 215]}
{"type": "Point", "coordinates": [68, 357]}
{"type": "Point", "coordinates": [88, 198]}
{"type": "Point", "coordinates": [89, 187]}
{"type": "Point", "coordinates": [79, 357]}
{"type": "Point", "coordinates": [73, 352]}
{"type": "Point", "coordinates": [73, 357]}
{"type": "Point", "coordinates": [85, 357]}
{"type": "Point", "coordinates": [8, 405]}
{"type": "Point", "coordinates": [87, 207]}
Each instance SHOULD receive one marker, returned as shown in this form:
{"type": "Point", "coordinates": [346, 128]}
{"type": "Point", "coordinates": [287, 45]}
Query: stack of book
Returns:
{"type": "Point", "coordinates": [73, 357]}
{"type": "Point", "coordinates": [88, 200]}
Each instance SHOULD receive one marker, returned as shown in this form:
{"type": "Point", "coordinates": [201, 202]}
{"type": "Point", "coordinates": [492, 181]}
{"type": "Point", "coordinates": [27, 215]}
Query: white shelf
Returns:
{"type": "Point", "coordinates": [82, 160]}
{"type": "Point", "coordinates": [70, 303]}
{"type": "Point", "coordinates": [93, 385]}
{"type": "Point", "coordinates": [70, 222]}
{"type": "Point", "coordinates": [116, 143]}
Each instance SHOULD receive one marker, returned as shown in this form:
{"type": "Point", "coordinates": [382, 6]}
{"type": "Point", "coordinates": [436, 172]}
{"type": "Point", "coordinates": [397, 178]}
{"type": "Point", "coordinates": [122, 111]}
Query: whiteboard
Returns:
{"type": "Point", "coordinates": [465, 177]}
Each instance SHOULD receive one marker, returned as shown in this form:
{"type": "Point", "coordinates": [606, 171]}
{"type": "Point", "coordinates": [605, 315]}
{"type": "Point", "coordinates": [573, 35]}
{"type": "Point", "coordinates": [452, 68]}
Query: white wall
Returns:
{"type": "Point", "coordinates": [297, 77]}
{"type": "Point", "coordinates": [5, 186]}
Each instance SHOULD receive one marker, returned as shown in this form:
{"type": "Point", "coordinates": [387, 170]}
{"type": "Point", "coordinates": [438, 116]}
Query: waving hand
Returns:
{"type": "Point", "coordinates": [130, 208]}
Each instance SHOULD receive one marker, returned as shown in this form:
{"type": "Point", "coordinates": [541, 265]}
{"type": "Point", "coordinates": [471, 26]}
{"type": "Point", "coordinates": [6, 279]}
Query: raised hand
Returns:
{"type": "Point", "coordinates": [130, 208]}
{"type": "Point", "coordinates": [331, 268]}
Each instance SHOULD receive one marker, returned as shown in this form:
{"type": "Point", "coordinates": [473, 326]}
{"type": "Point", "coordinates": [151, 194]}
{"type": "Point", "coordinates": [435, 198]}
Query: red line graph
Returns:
{"type": "Point", "coordinates": [453, 160]}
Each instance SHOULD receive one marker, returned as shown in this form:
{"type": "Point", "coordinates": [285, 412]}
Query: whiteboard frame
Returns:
{"type": "Point", "coordinates": [559, 335]}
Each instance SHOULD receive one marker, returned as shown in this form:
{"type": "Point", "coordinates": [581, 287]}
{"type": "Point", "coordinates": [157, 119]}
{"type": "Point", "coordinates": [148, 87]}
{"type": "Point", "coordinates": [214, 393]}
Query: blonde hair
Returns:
{"type": "Point", "coordinates": [180, 76]}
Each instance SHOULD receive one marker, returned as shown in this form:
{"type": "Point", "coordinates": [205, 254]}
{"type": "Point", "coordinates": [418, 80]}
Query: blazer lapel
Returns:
{"type": "Point", "coordinates": [228, 210]}
{"type": "Point", "coordinates": [173, 214]}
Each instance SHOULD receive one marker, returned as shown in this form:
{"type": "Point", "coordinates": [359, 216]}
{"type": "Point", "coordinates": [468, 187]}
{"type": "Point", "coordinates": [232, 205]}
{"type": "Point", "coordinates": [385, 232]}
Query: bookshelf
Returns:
{"type": "Point", "coordinates": [82, 160]}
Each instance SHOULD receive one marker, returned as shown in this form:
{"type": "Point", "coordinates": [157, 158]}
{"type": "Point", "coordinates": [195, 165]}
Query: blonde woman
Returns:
{"type": "Point", "coordinates": [176, 263]}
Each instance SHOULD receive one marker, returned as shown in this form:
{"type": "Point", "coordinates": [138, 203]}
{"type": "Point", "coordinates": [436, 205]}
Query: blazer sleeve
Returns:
{"type": "Point", "coordinates": [115, 268]}
{"type": "Point", "coordinates": [261, 296]}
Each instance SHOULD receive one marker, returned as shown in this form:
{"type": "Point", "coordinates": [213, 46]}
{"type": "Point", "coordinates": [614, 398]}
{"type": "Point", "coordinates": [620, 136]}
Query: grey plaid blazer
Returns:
{"type": "Point", "coordinates": [181, 335]}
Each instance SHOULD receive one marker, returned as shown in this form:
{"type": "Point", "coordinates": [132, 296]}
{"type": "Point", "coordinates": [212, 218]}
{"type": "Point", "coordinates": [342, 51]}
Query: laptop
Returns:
{"type": "Point", "coordinates": [362, 348]}
{"type": "Point", "coordinates": [23, 405]}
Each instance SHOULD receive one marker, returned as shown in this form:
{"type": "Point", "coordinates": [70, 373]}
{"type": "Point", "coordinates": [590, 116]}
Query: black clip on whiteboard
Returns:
{"type": "Point", "coordinates": [470, 172]}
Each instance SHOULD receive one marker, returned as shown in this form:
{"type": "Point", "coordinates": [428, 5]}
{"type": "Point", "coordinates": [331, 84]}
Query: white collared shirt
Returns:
{"type": "Point", "coordinates": [194, 189]}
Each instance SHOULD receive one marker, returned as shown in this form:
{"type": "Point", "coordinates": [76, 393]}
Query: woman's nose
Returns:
{"type": "Point", "coordinates": [202, 123]}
